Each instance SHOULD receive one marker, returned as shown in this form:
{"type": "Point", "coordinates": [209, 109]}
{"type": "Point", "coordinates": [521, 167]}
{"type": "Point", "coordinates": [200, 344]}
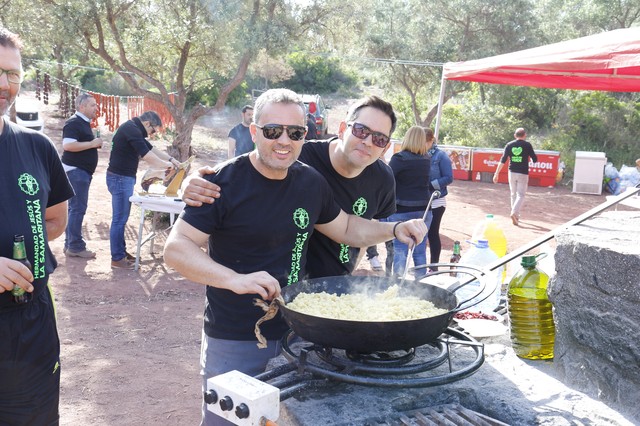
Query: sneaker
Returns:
{"type": "Point", "coordinates": [514, 219]}
{"type": "Point", "coordinates": [129, 257]}
{"type": "Point", "coordinates": [375, 263]}
{"type": "Point", "coordinates": [122, 264]}
{"type": "Point", "coordinates": [86, 254]}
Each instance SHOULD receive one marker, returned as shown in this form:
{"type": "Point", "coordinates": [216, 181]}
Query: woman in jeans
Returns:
{"type": "Point", "coordinates": [411, 166]}
{"type": "Point", "coordinates": [441, 175]}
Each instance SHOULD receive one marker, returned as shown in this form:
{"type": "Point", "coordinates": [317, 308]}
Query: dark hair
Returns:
{"type": "Point", "coordinates": [152, 117]}
{"type": "Point", "coordinates": [246, 107]}
{"type": "Point", "coordinates": [428, 131]}
{"type": "Point", "coordinates": [82, 98]}
{"type": "Point", "coordinates": [373, 102]}
{"type": "Point", "coordinates": [9, 39]}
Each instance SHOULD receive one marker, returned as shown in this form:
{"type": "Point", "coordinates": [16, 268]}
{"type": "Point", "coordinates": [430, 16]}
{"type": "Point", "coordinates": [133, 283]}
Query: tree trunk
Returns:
{"type": "Point", "coordinates": [181, 146]}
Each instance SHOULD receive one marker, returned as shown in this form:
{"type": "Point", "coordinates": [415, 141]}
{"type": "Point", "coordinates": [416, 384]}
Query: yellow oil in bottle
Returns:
{"type": "Point", "coordinates": [530, 312]}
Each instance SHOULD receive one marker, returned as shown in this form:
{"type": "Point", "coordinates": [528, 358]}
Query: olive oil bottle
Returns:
{"type": "Point", "coordinates": [530, 312]}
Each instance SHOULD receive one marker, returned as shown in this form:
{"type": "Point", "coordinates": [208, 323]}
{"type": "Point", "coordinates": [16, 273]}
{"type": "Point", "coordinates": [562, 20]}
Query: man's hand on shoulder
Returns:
{"type": "Point", "coordinates": [197, 190]}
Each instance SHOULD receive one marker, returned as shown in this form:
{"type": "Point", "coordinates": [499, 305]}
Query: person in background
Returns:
{"type": "Point", "coordinates": [34, 190]}
{"type": "Point", "coordinates": [251, 254]}
{"type": "Point", "coordinates": [312, 129]}
{"type": "Point", "coordinates": [638, 163]}
{"type": "Point", "coordinates": [79, 159]}
{"type": "Point", "coordinates": [129, 144]}
{"type": "Point", "coordinates": [411, 166]}
{"type": "Point", "coordinates": [361, 182]}
{"type": "Point", "coordinates": [240, 141]}
{"type": "Point", "coordinates": [440, 175]}
{"type": "Point", "coordinates": [518, 152]}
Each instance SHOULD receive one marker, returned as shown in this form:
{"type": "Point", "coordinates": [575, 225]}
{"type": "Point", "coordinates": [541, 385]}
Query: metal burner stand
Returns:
{"type": "Point", "coordinates": [371, 371]}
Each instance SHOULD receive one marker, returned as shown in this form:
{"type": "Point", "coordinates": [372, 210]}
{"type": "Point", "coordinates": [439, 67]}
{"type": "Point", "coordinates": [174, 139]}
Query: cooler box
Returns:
{"type": "Point", "coordinates": [544, 171]}
{"type": "Point", "coordinates": [460, 157]}
{"type": "Point", "coordinates": [484, 162]}
{"type": "Point", "coordinates": [541, 173]}
{"type": "Point", "coordinates": [588, 172]}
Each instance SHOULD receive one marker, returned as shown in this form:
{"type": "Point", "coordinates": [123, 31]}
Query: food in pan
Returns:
{"type": "Point", "coordinates": [386, 306]}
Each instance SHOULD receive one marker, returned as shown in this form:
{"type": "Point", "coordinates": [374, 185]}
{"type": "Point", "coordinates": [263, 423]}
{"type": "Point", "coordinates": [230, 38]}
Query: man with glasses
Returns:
{"type": "Point", "coordinates": [361, 182]}
{"type": "Point", "coordinates": [79, 159]}
{"type": "Point", "coordinates": [129, 144]}
{"type": "Point", "coordinates": [258, 235]}
{"type": "Point", "coordinates": [34, 189]}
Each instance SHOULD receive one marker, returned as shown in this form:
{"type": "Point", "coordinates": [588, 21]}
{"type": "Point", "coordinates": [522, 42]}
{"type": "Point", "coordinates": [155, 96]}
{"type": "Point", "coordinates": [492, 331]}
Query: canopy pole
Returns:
{"type": "Point", "coordinates": [440, 102]}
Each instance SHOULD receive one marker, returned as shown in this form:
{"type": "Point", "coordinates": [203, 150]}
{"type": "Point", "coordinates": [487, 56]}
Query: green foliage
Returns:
{"type": "Point", "coordinates": [316, 74]}
{"type": "Point", "coordinates": [208, 94]}
{"type": "Point", "coordinates": [478, 125]}
{"type": "Point", "coordinates": [105, 82]}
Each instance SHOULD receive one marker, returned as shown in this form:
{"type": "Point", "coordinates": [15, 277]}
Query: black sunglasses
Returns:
{"type": "Point", "coordinates": [274, 131]}
{"type": "Point", "coordinates": [361, 131]}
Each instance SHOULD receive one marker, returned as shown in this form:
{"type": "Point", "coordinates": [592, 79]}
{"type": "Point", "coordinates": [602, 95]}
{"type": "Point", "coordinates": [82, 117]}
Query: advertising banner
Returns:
{"type": "Point", "coordinates": [541, 173]}
{"type": "Point", "coordinates": [460, 157]}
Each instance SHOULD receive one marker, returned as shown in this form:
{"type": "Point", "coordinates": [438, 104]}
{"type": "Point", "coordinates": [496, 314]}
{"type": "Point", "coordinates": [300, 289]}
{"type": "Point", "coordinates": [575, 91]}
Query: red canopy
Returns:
{"type": "Point", "coordinates": [608, 61]}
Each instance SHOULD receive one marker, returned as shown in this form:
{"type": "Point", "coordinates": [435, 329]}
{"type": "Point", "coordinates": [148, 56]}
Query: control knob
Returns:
{"type": "Point", "coordinates": [226, 403]}
{"type": "Point", "coordinates": [242, 411]}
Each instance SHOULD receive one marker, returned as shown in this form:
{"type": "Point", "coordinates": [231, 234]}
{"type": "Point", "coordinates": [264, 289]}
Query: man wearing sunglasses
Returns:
{"type": "Point", "coordinates": [258, 235]}
{"type": "Point", "coordinates": [129, 145]}
{"type": "Point", "coordinates": [362, 184]}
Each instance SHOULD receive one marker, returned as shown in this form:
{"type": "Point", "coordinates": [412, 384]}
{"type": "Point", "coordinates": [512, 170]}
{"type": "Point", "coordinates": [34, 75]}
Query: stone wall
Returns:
{"type": "Point", "coordinates": [596, 298]}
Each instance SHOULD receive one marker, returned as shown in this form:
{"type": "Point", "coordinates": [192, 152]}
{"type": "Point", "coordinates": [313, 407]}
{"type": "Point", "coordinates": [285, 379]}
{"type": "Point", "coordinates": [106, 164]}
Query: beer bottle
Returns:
{"type": "Point", "coordinates": [20, 254]}
{"type": "Point", "coordinates": [455, 257]}
{"type": "Point", "coordinates": [98, 133]}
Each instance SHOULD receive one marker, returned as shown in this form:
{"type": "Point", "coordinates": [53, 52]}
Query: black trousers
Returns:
{"type": "Point", "coordinates": [30, 364]}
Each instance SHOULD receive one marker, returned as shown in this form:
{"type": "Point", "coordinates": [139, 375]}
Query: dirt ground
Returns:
{"type": "Point", "coordinates": [130, 340]}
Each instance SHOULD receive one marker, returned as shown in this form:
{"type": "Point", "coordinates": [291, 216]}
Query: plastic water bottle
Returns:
{"type": "Point", "coordinates": [489, 230]}
{"type": "Point", "coordinates": [530, 312]}
{"type": "Point", "coordinates": [480, 255]}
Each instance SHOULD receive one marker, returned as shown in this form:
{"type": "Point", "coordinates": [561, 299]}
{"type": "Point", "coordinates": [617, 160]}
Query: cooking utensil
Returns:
{"type": "Point", "coordinates": [434, 195]}
{"type": "Point", "coordinates": [392, 335]}
{"type": "Point", "coordinates": [369, 336]}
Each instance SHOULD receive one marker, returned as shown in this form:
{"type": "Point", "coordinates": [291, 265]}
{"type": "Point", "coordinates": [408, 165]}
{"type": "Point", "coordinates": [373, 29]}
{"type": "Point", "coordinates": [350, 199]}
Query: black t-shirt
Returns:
{"type": "Point", "coordinates": [31, 180]}
{"type": "Point", "coordinates": [242, 136]}
{"type": "Point", "coordinates": [79, 129]}
{"type": "Point", "coordinates": [369, 195]}
{"type": "Point", "coordinates": [518, 151]}
{"type": "Point", "coordinates": [259, 225]}
{"type": "Point", "coordinates": [127, 147]}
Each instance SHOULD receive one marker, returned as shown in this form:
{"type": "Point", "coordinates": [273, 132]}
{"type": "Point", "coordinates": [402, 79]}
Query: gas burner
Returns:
{"type": "Point", "coordinates": [417, 367]}
{"type": "Point", "coordinates": [382, 358]}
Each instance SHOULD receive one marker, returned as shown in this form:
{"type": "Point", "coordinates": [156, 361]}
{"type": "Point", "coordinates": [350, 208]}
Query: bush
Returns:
{"type": "Point", "coordinates": [316, 74]}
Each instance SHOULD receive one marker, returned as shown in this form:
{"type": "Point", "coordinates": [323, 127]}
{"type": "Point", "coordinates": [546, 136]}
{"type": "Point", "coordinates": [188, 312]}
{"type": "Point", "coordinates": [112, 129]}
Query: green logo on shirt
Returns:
{"type": "Point", "coordinates": [516, 156]}
{"type": "Point", "coordinates": [359, 208]}
{"type": "Point", "coordinates": [301, 220]}
{"type": "Point", "coordinates": [35, 213]}
{"type": "Point", "coordinates": [28, 184]}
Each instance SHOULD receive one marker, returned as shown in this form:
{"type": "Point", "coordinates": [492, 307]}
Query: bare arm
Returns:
{"type": "Point", "coordinates": [73, 145]}
{"type": "Point", "coordinates": [231, 151]}
{"type": "Point", "coordinates": [182, 252]}
{"type": "Point", "coordinates": [498, 170]}
{"type": "Point", "coordinates": [196, 191]}
{"type": "Point", "coordinates": [158, 159]}
{"type": "Point", "coordinates": [55, 218]}
{"type": "Point", "coordinates": [358, 232]}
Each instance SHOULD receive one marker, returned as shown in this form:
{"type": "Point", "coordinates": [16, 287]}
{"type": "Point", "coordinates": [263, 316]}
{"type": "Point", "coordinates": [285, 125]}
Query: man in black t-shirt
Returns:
{"type": "Point", "coordinates": [518, 152]}
{"type": "Point", "coordinates": [258, 235]}
{"type": "Point", "coordinates": [80, 159]}
{"type": "Point", "coordinates": [361, 182]}
{"type": "Point", "coordinates": [240, 141]}
{"type": "Point", "coordinates": [34, 190]}
{"type": "Point", "coordinates": [129, 145]}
